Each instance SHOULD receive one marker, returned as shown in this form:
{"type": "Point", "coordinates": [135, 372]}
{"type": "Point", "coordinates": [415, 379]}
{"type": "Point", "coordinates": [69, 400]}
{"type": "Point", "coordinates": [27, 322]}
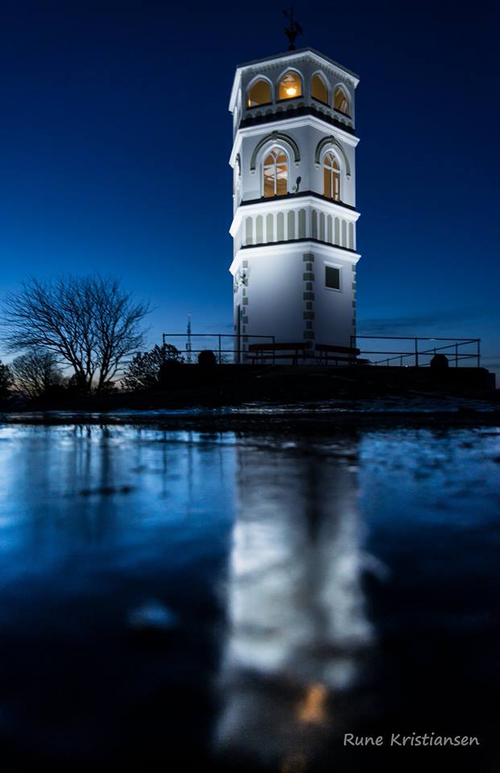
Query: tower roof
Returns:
{"type": "Point", "coordinates": [293, 54]}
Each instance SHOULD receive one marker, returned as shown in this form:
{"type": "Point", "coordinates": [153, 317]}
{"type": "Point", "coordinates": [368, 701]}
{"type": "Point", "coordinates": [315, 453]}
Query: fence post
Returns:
{"type": "Point", "coordinates": [416, 352]}
{"type": "Point", "coordinates": [478, 352]}
{"type": "Point", "coordinates": [456, 355]}
{"type": "Point", "coordinates": [220, 352]}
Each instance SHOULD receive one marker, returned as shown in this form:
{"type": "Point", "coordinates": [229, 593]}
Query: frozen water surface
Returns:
{"type": "Point", "coordinates": [241, 602]}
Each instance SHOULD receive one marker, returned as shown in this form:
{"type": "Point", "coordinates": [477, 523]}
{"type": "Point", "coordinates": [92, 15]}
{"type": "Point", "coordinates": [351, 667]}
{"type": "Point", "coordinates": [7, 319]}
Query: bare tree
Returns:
{"type": "Point", "coordinates": [36, 372]}
{"type": "Point", "coordinates": [89, 322]}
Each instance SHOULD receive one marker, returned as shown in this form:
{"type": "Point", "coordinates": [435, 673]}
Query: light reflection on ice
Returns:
{"type": "Point", "coordinates": [297, 626]}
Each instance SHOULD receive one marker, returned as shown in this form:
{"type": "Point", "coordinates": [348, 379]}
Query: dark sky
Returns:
{"type": "Point", "coordinates": [115, 138]}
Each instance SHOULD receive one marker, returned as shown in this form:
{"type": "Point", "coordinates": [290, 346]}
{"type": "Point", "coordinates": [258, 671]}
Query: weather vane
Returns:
{"type": "Point", "coordinates": [294, 29]}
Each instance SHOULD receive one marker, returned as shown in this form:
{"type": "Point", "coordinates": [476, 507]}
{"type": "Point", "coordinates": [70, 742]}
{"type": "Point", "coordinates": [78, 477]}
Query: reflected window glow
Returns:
{"type": "Point", "coordinates": [340, 101]}
{"type": "Point", "coordinates": [275, 173]}
{"type": "Point", "coordinates": [312, 708]}
{"type": "Point", "coordinates": [319, 90]}
{"type": "Point", "coordinates": [290, 86]}
{"type": "Point", "coordinates": [259, 94]}
{"type": "Point", "coordinates": [331, 177]}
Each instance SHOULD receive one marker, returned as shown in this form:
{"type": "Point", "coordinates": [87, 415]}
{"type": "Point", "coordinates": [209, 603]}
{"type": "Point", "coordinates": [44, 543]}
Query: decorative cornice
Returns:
{"type": "Point", "coordinates": [294, 196]}
{"type": "Point", "coordinates": [303, 239]}
{"type": "Point", "coordinates": [278, 66]}
{"type": "Point", "coordinates": [322, 248]}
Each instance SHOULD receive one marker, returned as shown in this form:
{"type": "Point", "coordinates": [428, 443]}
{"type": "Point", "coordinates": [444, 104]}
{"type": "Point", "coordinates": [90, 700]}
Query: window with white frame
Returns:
{"type": "Point", "coordinates": [275, 173]}
{"type": "Point", "coordinates": [331, 177]}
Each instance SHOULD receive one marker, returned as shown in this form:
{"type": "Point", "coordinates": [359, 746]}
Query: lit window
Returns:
{"type": "Point", "coordinates": [331, 177]}
{"type": "Point", "coordinates": [259, 94]}
{"type": "Point", "coordinates": [275, 173]}
{"type": "Point", "coordinates": [318, 89]}
{"type": "Point", "coordinates": [340, 101]}
{"type": "Point", "coordinates": [332, 278]}
{"type": "Point", "coordinates": [290, 86]}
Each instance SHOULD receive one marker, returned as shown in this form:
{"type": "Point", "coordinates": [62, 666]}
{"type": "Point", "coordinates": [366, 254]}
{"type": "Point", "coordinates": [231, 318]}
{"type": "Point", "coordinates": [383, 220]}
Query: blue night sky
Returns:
{"type": "Point", "coordinates": [115, 139]}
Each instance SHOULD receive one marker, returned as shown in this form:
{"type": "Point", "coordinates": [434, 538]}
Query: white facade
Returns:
{"type": "Point", "coordinates": [286, 236]}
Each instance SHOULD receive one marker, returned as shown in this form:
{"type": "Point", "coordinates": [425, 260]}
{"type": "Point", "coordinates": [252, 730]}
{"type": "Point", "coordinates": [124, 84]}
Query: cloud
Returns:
{"type": "Point", "coordinates": [491, 362]}
{"type": "Point", "coordinates": [414, 323]}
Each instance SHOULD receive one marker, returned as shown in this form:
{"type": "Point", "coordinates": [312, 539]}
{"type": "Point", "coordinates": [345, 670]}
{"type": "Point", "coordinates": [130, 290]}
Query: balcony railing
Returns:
{"type": "Point", "coordinates": [419, 351]}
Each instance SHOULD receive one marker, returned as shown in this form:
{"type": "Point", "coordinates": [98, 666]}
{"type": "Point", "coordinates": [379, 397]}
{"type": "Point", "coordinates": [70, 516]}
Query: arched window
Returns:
{"type": "Point", "coordinates": [318, 89]}
{"type": "Point", "coordinates": [331, 177]}
{"type": "Point", "coordinates": [290, 86]}
{"type": "Point", "coordinates": [275, 175]}
{"type": "Point", "coordinates": [259, 94]}
{"type": "Point", "coordinates": [340, 100]}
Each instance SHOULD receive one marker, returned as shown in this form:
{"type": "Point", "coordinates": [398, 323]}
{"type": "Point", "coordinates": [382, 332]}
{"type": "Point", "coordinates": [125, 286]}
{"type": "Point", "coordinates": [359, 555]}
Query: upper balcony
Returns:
{"type": "Point", "coordinates": [296, 108]}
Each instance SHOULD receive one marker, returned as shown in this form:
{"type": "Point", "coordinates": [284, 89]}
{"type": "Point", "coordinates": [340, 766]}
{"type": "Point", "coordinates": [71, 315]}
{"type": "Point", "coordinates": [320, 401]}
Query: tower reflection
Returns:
{"type": "Point", "coordinates": [298, 633]}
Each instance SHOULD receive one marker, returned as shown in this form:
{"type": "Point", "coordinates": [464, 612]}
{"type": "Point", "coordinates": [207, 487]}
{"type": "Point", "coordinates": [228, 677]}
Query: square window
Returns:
{"type": "Point", "coordinates": [332, 277]}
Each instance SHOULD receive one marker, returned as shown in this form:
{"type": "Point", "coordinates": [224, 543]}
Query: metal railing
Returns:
{"type": "Point", "coordinates": [216, 342]}
{"type": "Point", "coordinates": [418, 353]}
{"type": "Point", "coordinates": [455, 351]}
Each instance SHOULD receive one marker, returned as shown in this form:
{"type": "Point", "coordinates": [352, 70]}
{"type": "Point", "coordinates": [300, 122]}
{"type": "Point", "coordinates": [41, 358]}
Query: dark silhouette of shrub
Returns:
{"type": "Point", "coordinates": [207, 359]}
{"type": "Point", "coordinates": [150, 369]}
{"type": "Point", "coordinates": [439, 361]}
{"type": "Point", "coordinates": [170, 369]}
{"type": "Point", "coordinates": [5, 380]}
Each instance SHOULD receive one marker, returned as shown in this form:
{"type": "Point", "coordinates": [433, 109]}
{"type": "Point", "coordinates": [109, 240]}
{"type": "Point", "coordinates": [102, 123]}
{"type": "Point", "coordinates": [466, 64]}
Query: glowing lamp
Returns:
{"type": "Point", "coordinates": [290, 86]}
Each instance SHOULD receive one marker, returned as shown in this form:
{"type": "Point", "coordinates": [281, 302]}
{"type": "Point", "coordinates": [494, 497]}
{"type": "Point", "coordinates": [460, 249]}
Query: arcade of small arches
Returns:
{"type": "Point", "coordinates": [290, 86]}
{"type": "Point", "coordinates": [297, 224]}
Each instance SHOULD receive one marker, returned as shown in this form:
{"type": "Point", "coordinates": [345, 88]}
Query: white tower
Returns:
{"type": "Point", "coordinates": [294, 224]}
